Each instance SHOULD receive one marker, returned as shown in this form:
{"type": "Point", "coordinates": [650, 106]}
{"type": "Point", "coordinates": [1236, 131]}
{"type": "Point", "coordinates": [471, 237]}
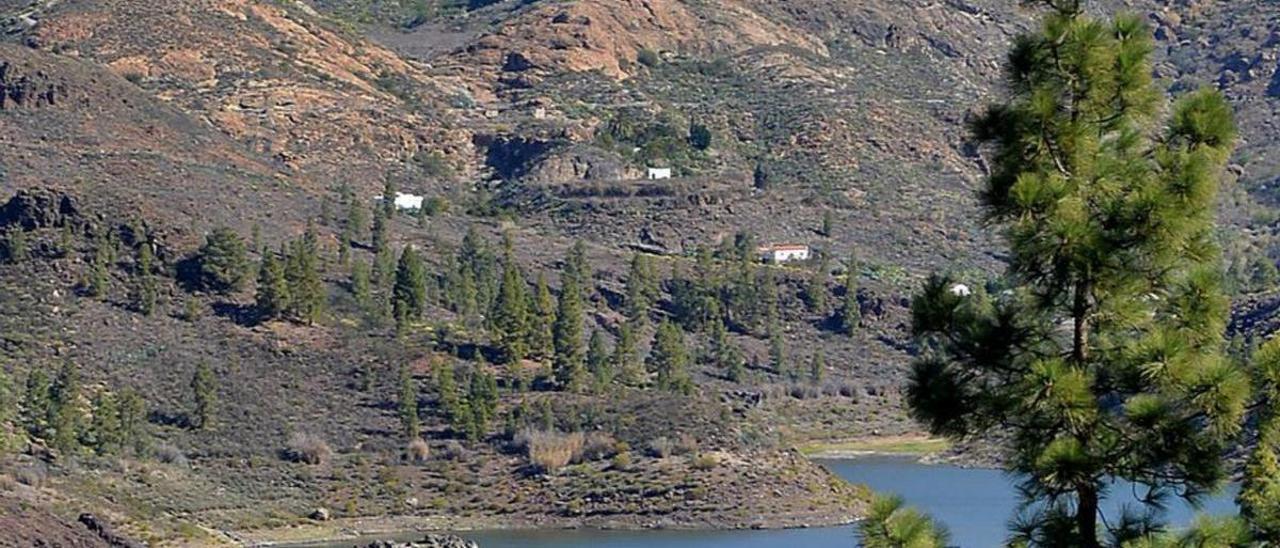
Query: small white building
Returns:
{"type": "Point", "coordinates": [406, 201]}
{"type": "Point", "coordinates": [961, 290]}
{"type": "Point", "coordinates": [659, 173]}
{"type": "Point", "coordinates": [784, 253]}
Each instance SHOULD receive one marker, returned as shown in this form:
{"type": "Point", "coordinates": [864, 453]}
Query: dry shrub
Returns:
{"type": "Point", "coordinates": [418, 450]}
{"type": "Point", "coordinates": [453, 450]}
{"type": "Point", "coordinates": [169, 454]}
{"type": "Point", "coordinates": [686, 444]}
{"type": "Point", "coordinates": [661, 448]}
{"type": "Point", "coordinates": [599, 446]}
{"type": "Point", "coordinates": [307, 448]}
{"type": "Point", "coordinates": [705, 461]}
{"type": "Point", "coordinates": [550, 450]}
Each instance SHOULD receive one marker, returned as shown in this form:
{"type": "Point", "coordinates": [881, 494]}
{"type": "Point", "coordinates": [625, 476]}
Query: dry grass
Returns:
{"type": "Point", "coordinates": [549, 450]}
{"type": "Point", "coordinates": [418, 451]}
{"type": "Point", "coordinates": [307, 448]}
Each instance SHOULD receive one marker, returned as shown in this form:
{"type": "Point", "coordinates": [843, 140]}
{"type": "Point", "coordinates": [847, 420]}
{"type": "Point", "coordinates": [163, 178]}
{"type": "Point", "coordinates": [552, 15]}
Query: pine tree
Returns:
{"type": "Point", "coordinates": [37, 403]}
{"type": "Point", "coordinates": [778, 355]}
{"type": "Point", "coordinates": [133, 417]}
{"type": "Point", "coordinates": [1259, 496]}
{"type": "Point", "coordinates": [767, 292]}
{"type": "Point", "coordinates": [272, 299]}
{"type": "Point", "coordinates": [145, 291]}
{"type": "Point", "coordinates": [10, 429]}
{"type": "Point", "coordinates": [105, 431]}
{"type": "Point", "coordinates": [510, 312]}
{"type": "Point", "coordinates": [16, 249]}
{"type": "Point", "coordinates": [224, 262]}
{"type": "Point", "coordinates": [598, 359]}
{"type": "Point", "coordinates": [360, 285]}
{"type": "Point", "coordinates": [389, 192]}
{"type": "Point", "coordinates": [381, 232]}
{"type": "Point", "coordinates": [850, 310]}
{"type": "Point", "coordinates": [482, 402]}
{"type": "Point", "coordinates": [726, 355]}
{"type": "Point", "coordinates": [569, 353]}
{"type": "Point", "coordinates": [204, 397]}
{"type": "Point", "coordinates": [409, 298]}
{"type": "Point", "coordinates": [1105, 361]}
{"type": "Point", "coordinates": [576, 267]}
{"type": "Point", "coordinates": [642, 289]}
{"type": "Point", "coordinates": [826, 223]}
{"type": "Point", "coordinates": [817, 368]}
{"type": "Point", "coordinates": [542, 320]}
{"type": "Point", "coordinates": [815, 292]}
{"type": "Point", "coordinates": [66, 417]}
{"type": "Point", "coordinates": [669, 359]}
{"type": "Point", "coordinates": [624, 356]}
{"type": "Point", "coordinates": [302, 271]}
{"type": "Point", "coordinates": [410, 424]}
{"type": "Point", "coordinates": [357, 223]}
{"type": "Point", "coordinates": [891, 524]}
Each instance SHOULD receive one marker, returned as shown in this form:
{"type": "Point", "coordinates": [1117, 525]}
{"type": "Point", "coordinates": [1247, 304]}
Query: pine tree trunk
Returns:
{"type": "Point", "coordinates": [1087, 516]}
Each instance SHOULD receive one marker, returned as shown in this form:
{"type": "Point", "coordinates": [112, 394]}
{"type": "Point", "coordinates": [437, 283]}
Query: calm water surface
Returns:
{"type": "Point", "coordinates": [974, 504]}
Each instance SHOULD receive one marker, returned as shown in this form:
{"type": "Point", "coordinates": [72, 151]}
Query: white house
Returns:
{"type": "Point", "coordinates": [406, 201]}
{"type": "Point", "coordinates": [659, 173]}
{"type": "Point", "coordinates": [784, 253]}
{"type": "Point", "coordinates": [961, 290]}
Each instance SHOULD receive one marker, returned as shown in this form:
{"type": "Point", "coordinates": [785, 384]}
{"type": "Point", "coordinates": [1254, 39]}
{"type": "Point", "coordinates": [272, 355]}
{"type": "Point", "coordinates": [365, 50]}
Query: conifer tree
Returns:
{"type": "Point", "coordinates": [850, 309]}
{"type": "Point", "coordinates": [669, 359]}
{"type": "Point", "coordinates": [642, 289]}
{"type": "Point", "coordinates": [133, 416]}
{"type": "Point", "coordinates": [407, 404]}
{"type": "Point", "coordinates": [204, 397]}
{"type": "Point", "coordinates": [1105, 361]}
{"type": "Point", "coordinates": [381, 231]}
{"type": "Point", "coordinates": [409, 298]}
{"type": "Point", "coordinates": [778, 355]}
{"type": "Point", "coordinates": [357, 223]}
{"type": "Point", "coordinates": [302, 271]}
{"type": "Point", "coordinates": [817, 367]}
{"type": "Point", "coordinates": [598, 359]}
{"type": "Point", "coordinates": [815, 292]}
{"type": "Point", "coordinates": [726, 355]}
{"type": "Point", "coordinates": [510, 313]}
{"type": "Point", "coordinates": [272, 299]}
{"type": "Point", "coordinates": [624, 359]}
{"type": "Point", "coordinates": [569, 352]}
{"type": "Point", "coordinates": [16, 249]}
{"type": "Point", "coordinates": [542, 320]}
{"type": "Point", "coordinates": [37, 403]}
{"type": "Point", "coordinates": [105, 432]}
{"type": "Point", "coordinates": [224, 264]}
{"type": "Point", "coordinates": [892, 524]}
{"type": "Point", "coordinates": [827, 223]}
{"type": "Point", "coordinates": [576, 267]}
{"type": "Point", "coordinates": [145, 292]}
{"type": "Point", "coordinates": [10, 429]}
{"type": "Point", "coordinates": [361, 289]}
{"type": "Point", "coordinates": [66, 417]}
{"type": "Point", "coordinates": [482, 401]}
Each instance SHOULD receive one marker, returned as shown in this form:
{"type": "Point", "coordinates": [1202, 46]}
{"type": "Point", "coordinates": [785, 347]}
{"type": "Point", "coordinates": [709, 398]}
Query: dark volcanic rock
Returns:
{"type": "Point", "coordinates": [429, 541]}
{"type": "Point", "coordinates": [39, 208]}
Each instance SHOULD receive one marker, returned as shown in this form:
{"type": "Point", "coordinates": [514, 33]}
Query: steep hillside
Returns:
{"type": "Point", "coordinates": [527, 126]}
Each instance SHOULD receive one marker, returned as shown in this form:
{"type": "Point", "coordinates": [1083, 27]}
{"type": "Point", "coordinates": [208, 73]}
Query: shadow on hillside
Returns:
{"type": "Point", "coordinates": [244, 315]}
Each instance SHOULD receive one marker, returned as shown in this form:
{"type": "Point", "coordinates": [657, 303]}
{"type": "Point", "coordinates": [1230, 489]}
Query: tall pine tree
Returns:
{"type": "Point", "coordinates": [569, 352]}
{"type": "Point", "coordinates": [1105, 361]}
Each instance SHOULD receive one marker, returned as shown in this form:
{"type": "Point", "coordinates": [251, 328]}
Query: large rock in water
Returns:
{"type": "Point", "coordinates": [429, 541]}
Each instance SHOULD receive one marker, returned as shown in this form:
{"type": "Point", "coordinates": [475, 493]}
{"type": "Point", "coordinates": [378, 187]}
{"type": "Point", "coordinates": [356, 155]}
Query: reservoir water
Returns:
{"type": "Point", "coordinates": [975, 504]}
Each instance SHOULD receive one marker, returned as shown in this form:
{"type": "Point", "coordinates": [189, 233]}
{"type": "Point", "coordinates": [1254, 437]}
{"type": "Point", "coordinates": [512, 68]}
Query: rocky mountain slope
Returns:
{"type": "Point", "coordinates": [533, 121]}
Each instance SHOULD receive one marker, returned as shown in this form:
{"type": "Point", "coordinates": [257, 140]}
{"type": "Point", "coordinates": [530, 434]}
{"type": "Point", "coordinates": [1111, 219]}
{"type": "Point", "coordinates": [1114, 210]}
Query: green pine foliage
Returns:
{"type": "Point", "coordinates": [37, 403]}
{"type": "Point", "coordinates": [570, 355]}
{"type": "Point", "coordinates": [307, 295]}
{"type": "Point", "coordinates": [892, 524]}
{"type": "Point", "coordinates": [223, 261]}
{"type": "Point", "coordinates": [669, 359]}
{"type": "Point", "coordinates": [850, 314]}
{"type": "Point", "coordinates": [599, 362]}
{"type": "Point", "coordinates": [1105, 361]}
{"type": "Point", "coordinates": [272, 299]}
{"type": "Point", "coordinates": [10, 428]}
{"type": "Point", "coordinates": [510, 316]}
{"type": "Point", "coordinates": [145, 287]}
{"type": "Point", "coordinates": [409, 294]}
{"type": "Point", "coordinates": [204, 397]}
{"type": "Point", "coordinates": [407, 404]}
{"type": "Point", "coordinates": [66, 413]}
{"type": "Point", "coordinates": [542, 320]}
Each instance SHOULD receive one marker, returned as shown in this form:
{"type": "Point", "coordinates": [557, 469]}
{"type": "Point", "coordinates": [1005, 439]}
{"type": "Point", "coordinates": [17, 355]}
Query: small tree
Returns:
{"type": "Point", "coordinates": [66, 419]}
{"type": "Point", "coordinates": [569, 353]}
{"type": "Point", "coordinates": [624, 356]}
{"type": "Point", "coordinates": [16, 249]}
{"type": "Point", "coordinates": [223, 261]}
{"type": "Point", "coordinates": [204, 395]}
{"type": "Point", "coordinates": [307, 295]}
{"type": "Point", "coordinates": [542, 321]}
{"type": "Point", "coordinates": [145, 292]}
{"type": "Point", "coordinates": [817, 367]}
{"type": "Point", "coordinates": [10, 430]}
{"type": "Point", "coordinates": [778, 355]}
{"type": "Point", "coordinates": [890, 524]}
{"type": "Point", "coordinates": [699, 136]}
{"type": "Point", "coordinates": [409, 298]}
{"type": "Point", "coordinates": [37, 403]}
{"type": "Point", "coordinates": [598, 362]}
{"type": "Point", "coordinates": [410, 424]}
{"type": "Point", "coordinates": [669, 359]}
{"type": "Point", "coordinates": [510, 312]}
{"type": "Point", "coordinates": [827, 222]}
{"type": "Point", "coordinates": [850, 310]}
{"type": "Point", "coordinates": [272, 298]}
